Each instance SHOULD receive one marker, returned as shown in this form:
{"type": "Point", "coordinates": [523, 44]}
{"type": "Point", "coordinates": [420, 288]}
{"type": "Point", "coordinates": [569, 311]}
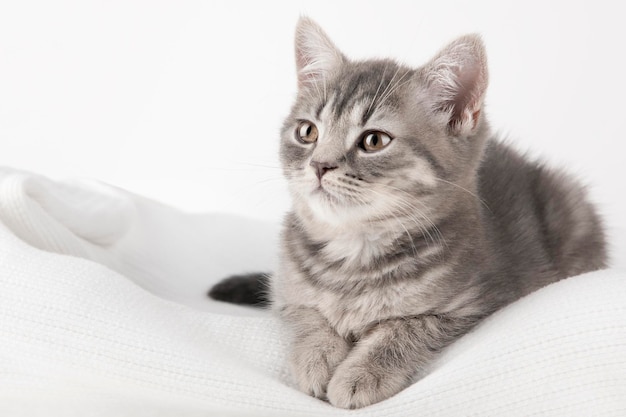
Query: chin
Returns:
{"type": "Point", "coordinates": [333, 210]}
{"type": "Point", "coordinates": [329, 207]}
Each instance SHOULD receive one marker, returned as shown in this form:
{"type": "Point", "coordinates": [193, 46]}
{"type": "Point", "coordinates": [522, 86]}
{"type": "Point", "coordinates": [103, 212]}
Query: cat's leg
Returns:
{"type": "Point", "coordinates": [388, 358]}
{"type": "Point", "coordinates": [316, 349]}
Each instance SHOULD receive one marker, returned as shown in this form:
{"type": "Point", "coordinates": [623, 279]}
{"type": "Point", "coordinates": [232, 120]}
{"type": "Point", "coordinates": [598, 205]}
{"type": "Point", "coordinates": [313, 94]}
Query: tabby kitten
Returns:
{"type": "Point", "coordinates": [410, 222]}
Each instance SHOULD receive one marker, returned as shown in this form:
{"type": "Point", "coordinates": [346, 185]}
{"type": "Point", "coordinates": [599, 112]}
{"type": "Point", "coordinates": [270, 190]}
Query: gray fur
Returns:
{"type": "Point", "coordinates": [389, 257]}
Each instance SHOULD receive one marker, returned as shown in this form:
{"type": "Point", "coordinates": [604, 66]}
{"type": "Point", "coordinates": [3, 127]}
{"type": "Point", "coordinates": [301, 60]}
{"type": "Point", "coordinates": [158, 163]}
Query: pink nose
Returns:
{"type": "Point", "coordinates": [322, 168]}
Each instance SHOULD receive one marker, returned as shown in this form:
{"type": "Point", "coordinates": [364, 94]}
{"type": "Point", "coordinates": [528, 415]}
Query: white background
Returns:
{"type": "Point", "coordinates": [182, 101]}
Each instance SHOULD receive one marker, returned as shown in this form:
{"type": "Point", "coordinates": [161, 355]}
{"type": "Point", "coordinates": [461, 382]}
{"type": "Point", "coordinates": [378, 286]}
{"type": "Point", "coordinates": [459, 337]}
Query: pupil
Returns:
{"type": "Point", "coordinates": [307, 130]}
{"type": "Point", "coordinates": [374, 140]}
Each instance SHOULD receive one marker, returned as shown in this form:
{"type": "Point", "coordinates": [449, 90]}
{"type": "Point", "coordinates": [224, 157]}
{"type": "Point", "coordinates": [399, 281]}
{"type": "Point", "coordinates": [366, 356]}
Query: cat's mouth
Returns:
{"type": "Point", "coordinates": [321, 191]}
{"type": "Point", "coordinates": [320, 188]}
{"type": "Point", "coordinates": [325, 194]}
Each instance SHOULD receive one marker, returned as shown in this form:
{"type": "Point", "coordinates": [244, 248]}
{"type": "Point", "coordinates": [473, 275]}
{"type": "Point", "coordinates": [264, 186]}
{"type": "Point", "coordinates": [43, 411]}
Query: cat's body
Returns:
{"type": "Point", "coordinates": [410, 223]}
{"type": "Point", "coordinates": [392, 268]}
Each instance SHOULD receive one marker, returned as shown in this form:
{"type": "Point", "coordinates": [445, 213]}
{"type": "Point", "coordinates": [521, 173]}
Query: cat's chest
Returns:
{"type": "Point", "coordinates": [361, 277]}
{"type": "Point", "coordinates": [353, 312]}
{"type": "Point", "coordinates": [354, 250]}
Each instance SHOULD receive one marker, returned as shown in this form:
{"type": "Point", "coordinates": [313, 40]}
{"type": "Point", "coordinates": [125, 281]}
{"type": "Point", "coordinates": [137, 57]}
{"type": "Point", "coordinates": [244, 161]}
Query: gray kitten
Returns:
{"type": "Point", "coordinates": [410, 222]}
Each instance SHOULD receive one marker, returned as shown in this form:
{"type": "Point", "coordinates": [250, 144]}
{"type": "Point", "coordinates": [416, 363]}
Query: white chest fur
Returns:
{"type": "Point", "coordinates": [355, 248]}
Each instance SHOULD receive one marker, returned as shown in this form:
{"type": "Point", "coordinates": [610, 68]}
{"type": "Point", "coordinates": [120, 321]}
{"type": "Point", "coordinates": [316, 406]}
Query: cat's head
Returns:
{"type": "Point", "coordinates": [371, 139]}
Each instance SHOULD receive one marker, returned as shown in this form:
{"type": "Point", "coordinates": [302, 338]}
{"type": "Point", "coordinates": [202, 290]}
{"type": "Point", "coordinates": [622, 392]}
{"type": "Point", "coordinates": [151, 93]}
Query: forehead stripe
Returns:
{"type": "Point", "coordinates": [369, 111]}
{"type": "Point", "coordinates": [321, 107]}
{"type": "Point", "coordinates": [347, 92]}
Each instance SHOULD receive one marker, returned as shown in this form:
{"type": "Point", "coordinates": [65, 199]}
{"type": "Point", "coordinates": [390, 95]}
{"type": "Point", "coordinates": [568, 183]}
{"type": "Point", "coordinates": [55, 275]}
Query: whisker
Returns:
{"type": "Point", "coordinates": [254, 164]}
{"type": "Point", "coordinates": [483, 202]}
{"type": "Point", "coordinates": [394, 87]}
{"type": "Point", "coordinates": [393, 77]}
{"type": "Point", "coordinates": [408, 209]}
{"type": "Point", "coordinates": [404, 210]}
{"type": "Point", "coordinates": [382, 78]}
{"type": "Point", "coordinates": [356, 196]}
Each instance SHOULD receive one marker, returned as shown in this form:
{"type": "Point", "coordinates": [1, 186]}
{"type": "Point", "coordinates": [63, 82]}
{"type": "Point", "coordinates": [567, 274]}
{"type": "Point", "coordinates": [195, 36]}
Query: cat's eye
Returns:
{"type": "Point", "coordinates": [306, 132]}
{"type": "Point", "coordinates": [373, 141]}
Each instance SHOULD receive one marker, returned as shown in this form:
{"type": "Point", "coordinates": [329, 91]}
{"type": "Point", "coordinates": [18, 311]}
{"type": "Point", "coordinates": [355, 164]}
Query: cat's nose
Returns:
{"type": "Point", "coordinates": [322, 168]}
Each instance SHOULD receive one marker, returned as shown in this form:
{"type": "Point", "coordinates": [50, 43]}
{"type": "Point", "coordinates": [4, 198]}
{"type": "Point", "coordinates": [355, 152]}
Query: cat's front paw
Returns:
{"type": "Point", "coordinates": [356, 386]}
{"type": "Point", "coordinates": [313, 368]}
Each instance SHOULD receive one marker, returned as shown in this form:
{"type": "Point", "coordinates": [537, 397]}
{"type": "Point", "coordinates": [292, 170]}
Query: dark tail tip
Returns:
{"type": "Point", "coordinates": [248, 289]}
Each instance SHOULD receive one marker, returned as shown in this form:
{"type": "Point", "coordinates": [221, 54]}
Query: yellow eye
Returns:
{"type": "Point", "coordinates": [374, 141]}
{"type": "Point", "coordinates": [306, 132]}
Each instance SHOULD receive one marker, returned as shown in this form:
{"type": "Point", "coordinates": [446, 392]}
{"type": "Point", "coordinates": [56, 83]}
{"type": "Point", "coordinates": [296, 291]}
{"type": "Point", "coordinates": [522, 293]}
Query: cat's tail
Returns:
{"type": "Point", "coordinates": [248, 289]}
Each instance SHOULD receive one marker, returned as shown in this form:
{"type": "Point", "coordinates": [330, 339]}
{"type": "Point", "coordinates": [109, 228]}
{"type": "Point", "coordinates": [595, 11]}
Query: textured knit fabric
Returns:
{"type": "Point", "coordinates": [103, 313]}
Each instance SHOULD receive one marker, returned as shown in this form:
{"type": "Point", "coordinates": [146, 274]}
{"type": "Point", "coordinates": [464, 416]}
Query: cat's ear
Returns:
{"type": "Point", "coordinates": [316, 55]}
{"type": "Point", "coordinates": [457, 80]}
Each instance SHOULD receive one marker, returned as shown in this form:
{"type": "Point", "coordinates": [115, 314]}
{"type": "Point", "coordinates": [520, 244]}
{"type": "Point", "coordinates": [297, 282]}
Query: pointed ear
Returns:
{"type": "Point", "coordinates": [457, 79]}
{"type": "Point", "coordinates": [316, 55]}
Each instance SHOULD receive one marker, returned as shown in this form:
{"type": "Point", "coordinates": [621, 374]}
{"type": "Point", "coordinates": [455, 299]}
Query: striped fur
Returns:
{"type": "Point", "coordinates": [390, 256]}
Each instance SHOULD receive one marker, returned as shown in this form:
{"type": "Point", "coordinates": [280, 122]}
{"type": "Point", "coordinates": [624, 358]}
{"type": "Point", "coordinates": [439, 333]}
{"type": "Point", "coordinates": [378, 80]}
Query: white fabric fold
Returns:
{"type": "Point", "coordinates": [103, 313]}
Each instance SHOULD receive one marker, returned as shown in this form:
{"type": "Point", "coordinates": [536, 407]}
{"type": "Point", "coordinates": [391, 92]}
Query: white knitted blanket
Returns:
{"type": "Point", "coordinates": [103, 313]}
